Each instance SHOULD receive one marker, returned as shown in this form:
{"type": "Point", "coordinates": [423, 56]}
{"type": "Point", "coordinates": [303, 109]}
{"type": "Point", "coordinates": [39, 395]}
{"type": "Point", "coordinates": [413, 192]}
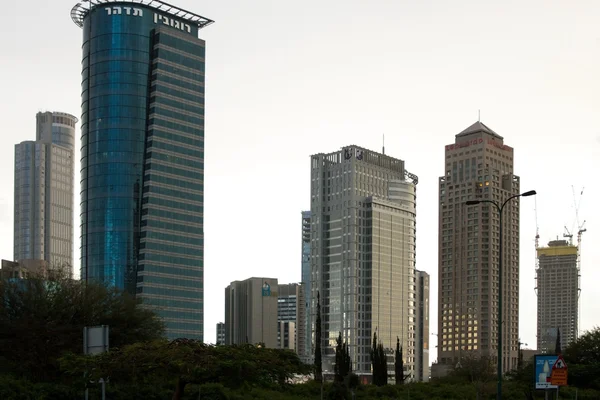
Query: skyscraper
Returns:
{"type": "Point", "coordinates": [422, 329]}
{"type": "Point", "coordinates": [363, 210]}
{"type": "Point", "coordinates": [557, 295]}
{"type": "Point", "coordinates": [305, 263]}
{"type": "Point", "coordinates": [220, 333]}
{"type": "Point", "coordinates": [251, 312]}
{"type": "Point", "coordinates": [142, 155]}
{"type": "Point", "coordinates": [291, 307]}
{"type": "Point", "coordinates": [478, 166]}
{"type": "Point", "coordinates": [43, 223]}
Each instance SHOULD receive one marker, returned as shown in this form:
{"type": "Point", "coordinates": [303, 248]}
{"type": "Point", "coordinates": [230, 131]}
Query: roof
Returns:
{"type": "Point", "coordinates": [79, 11]}
{"type": "Point", "coordinates": [479, 127]}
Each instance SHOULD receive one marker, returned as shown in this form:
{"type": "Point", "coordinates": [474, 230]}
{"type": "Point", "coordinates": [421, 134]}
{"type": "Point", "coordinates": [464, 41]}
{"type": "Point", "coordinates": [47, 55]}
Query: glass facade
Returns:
{"type": "Point", "coordinates": [142, 159]}
{"type": "Point", "coordinates": [362, 253]}
{"type": "Point", "coordinates": [44, 170]}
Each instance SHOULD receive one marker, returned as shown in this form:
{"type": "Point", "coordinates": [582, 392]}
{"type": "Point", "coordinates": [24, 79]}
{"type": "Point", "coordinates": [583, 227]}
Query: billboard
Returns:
{"type": "Point", "coordinates": [266, 290]}
{"type": "Point", "coordinates": [543, 370]}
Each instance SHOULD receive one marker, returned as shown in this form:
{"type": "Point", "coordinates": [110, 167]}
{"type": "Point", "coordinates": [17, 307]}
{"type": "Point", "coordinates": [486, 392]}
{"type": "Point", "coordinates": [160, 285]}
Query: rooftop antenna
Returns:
{"type": "Point", "coordinates": [383, 149]}
{"type": "Point", "coordinates": [478, 115]}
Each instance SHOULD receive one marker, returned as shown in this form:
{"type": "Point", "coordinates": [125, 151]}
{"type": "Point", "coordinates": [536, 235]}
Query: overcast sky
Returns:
{"type": "Point", "coordinates": [285, 80]}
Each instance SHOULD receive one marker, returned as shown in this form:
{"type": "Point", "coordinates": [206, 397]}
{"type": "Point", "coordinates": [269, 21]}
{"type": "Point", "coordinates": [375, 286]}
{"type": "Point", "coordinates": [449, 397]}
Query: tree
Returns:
{"type": "Point", "coordinates": [520, 357]}
{"type": "Point", "coordinates": [399, 364]}
{"type": "Point", "coordinates": [383, 367]}
{"type": "Point", "coordinates": [343, 364]}
{"type": "Point", "coordinates": [583, 360]}
{"type": "Point", "coordinates": [375, 364]}
{"type": "Point", "coordinates": [557, 347]}
{"type": "Point", "coordinates": [347, 361]}
{"type": "Point", "coordinates": [478, 370]}
{"type": "Point", "coordinates": [378, 362]}
{"type": "Point", "coordinates": [40, 319]}
{"type": "Point", "coordinates": [183, 361]}
{"type": "Point", "coordinates": [318, 360]}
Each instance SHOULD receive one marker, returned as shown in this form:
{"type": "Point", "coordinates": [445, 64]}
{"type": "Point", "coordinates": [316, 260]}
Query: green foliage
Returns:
{"type": "Point", "coordinates": [11, 389]}
{"type": "Point", "coordinates": [343, 363]}
{"type": "Point", "coordinates": [182, 362]}
{"type": "Point", "coordinates": [16, 389]}
{"type": "Point", "coordinates": [210, 391]}
{"type": "Point", "coordinates": [318, 357]}
{"type": "Point", "coordinates": [379, 363]}
{"type": "Point", "coordinates": [399, 364]}
{"type": "Point", "coordinates": [583, 360]}
{"type": "Point", "coordinates": [40, 319]}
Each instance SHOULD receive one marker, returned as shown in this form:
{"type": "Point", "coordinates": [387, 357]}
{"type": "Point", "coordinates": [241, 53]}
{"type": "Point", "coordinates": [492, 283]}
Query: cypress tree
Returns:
{"type": "Point", "coordinates": [338, 368]}
{"type": "Point", "coordinates": [347, 361]}
{"type": "Point", "coordinates": [383, 372]}
{"type": "Point", "coordinates": [399, 364]}
{"type": "Point", "coordinates": [557, 348]}
{"type": "Point", "coordinates": [318, 360]}
{"type": "Point", "coordinates": [375, 364]}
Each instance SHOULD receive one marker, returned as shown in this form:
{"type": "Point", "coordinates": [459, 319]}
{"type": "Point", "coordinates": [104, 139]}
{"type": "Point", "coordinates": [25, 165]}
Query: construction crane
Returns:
{"type": "Point", "coordinates": [580, 227]}
{"type": "Point", "coordinates": [537, 243]}
{"type": "Point", "coordinates": [580, 230]}
{"type": "Point", "coordinates": [569, 235]}
{"type": "Point", "coordinates": [537, 228]}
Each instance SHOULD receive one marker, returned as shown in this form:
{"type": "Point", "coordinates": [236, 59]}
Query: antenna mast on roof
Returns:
{"type": "Point", "coordinates": [383, 149]}
{"type": "Point", "coordinates": [478, 115]}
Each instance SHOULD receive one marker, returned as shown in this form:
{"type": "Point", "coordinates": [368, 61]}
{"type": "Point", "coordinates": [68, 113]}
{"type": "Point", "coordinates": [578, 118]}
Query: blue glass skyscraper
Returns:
{"type": "Point", "coordinates": [142, 155]}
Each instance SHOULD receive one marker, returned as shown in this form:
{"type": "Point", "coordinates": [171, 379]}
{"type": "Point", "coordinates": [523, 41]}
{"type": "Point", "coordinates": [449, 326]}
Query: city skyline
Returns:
{"type": "Point", "coordinates": [535, 84]}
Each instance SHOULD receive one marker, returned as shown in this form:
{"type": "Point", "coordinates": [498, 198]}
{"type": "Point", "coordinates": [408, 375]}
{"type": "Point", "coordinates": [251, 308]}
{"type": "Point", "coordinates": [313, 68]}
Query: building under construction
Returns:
{"type": "Point", "coordinates": [557, 278]}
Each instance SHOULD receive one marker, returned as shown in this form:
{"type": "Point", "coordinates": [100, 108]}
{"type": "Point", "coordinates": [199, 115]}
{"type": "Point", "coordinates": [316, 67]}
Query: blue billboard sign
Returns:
{"type": "Point", "coordinates": [266, 290]}
{"type": "Point", "coordinates": [543, 370]}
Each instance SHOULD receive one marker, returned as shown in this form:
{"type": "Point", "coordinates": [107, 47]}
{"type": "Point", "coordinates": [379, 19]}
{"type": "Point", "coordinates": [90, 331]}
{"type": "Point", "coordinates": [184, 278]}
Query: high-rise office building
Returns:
{"type": "Point", "coordinates": [291, 308]}
{"type": "Point", "coordinates": [220, 333]}
{"type": "Point", "coordinates": [307, 356]}
{"type": "Point", "coordinates": [363, 222]}
{"type": "Point", "coordinates": [557, 278]}
{"type": "Point", "coordinates": [251, 312]}
{"type": "Point", "coordinates": [43, 223]}
{"type": "Point", "coordinates": [422, 328]}
{"type": "Point", "coordinates": [286, 335]}
{"type": "Point", "coordinates": [478, 166]}
{"type": "Point", "coordinates": [142, 155]}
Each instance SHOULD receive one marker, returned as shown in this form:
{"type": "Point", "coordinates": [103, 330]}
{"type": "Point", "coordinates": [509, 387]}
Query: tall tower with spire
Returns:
{"type": "Point", "coordinates": [478, 166]}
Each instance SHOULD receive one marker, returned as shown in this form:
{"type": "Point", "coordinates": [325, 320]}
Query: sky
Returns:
{"type": "Point", "coordinates": [285, 80]}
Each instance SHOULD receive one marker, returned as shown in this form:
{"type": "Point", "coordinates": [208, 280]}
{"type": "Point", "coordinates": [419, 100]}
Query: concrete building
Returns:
{"type": "Point", "coordinates": [43, 206]}
{"type": "Point", "coordinates": [478, 165]}
{"type": "Point", "coordinates": [557, 290]}
{"type": "Point", "coordinates": [306, 356]}
{"type": "Point", "coordinates": [251, 312]}
{"type": "Point", "coordinates": [529, 355]}
{"type": "Point", "coordinates": [142, 155]}
{"type": "Point", "coordinates": [291, 307]}
{"type": "Point", "coordinates": [422, 328]}
{"type": "Point", "coordinates": [363, 211]}
{"type": "Point", "coordinates": [24, 269]}
{"type": "Point", "coordinates": [286, 335]}
{"type": "Point", "coordinates": [220, 333]}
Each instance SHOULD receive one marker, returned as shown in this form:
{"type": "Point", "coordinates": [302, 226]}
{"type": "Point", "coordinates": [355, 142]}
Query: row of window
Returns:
{"type": "Point", "coordinates": [195, 48]}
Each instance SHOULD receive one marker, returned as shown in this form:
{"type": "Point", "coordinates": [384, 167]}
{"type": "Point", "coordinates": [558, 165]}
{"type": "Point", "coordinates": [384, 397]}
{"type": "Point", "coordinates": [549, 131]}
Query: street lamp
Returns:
{"type": "Point", "coordinates": [500, 208]}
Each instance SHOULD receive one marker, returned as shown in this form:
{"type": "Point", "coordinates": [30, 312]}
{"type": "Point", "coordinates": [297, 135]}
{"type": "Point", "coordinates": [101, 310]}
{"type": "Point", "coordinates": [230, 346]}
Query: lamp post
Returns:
{"type": "Point", "coordinates": [500, 208]}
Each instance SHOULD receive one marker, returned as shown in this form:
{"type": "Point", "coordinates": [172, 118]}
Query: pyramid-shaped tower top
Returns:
{"type": "Point", "coordinates": [479, 127]}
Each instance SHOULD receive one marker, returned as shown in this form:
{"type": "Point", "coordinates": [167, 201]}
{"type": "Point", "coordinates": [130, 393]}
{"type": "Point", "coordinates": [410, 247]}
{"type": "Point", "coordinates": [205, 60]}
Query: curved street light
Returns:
{"type": "Point", "coordinates": [500, 208]}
